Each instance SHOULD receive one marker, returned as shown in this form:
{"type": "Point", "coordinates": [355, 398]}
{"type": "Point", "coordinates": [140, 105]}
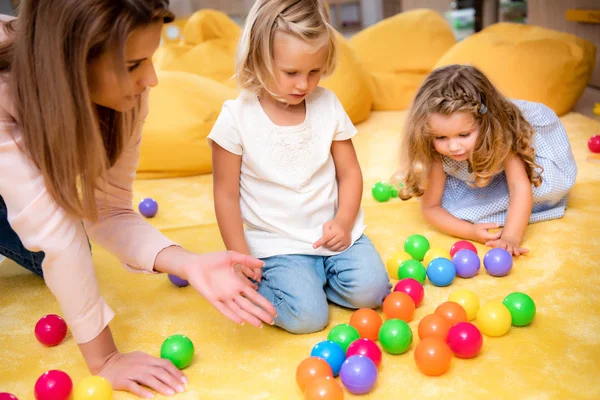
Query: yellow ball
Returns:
{"type": "Point", "coordinates": [433, 253]}
{"type": "Point", "coordinates": [393, 263]}
{"type": "Point", "coordinates": [494, 319]}
{"type": "Point", "coordinates": [468, 300]}
{"type": "Point", "coordinates": [93, 388]}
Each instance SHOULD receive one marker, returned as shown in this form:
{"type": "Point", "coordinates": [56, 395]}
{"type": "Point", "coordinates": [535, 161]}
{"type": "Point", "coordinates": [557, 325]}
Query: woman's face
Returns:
{"type": "Point", "coordinates": [103, 78]}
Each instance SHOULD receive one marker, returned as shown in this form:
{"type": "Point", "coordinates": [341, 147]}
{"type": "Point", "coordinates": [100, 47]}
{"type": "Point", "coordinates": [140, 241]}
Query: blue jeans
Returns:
{"type": "Point", "coordinates": [12, 247]}
{"type": "Point", "coordinates": [299, 286]}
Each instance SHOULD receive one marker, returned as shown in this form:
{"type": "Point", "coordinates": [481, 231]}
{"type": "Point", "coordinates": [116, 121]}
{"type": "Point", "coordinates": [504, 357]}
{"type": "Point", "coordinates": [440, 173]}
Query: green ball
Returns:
{"type": "Point", "coordinates": [521, 307]}
{"type": "Point", "coordinates": [381, 192]}
{"type": "Point", "coordinates": [412, 269]}
{"type": "Point", "coordinates": [393, 190]}
{"type": "Point", "coordinates": [343, 334]}
{"type": "Point", "coordinates": [179, 349]}
{"type": "Point", "coordinates": [416, 246]}
{"type": "Point", "coordinates": [395, 336]}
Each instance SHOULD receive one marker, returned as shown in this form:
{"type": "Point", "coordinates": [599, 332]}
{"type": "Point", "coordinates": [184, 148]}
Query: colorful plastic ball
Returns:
{"type": "Point", "coordinates": [177, 281]}
{"type": "Point", "coordinates": [358, 374]}
{"type": "Point", "coordinates": [50, 330]}
{"type": "Point", "coordinates": [468, 300]}
{"type": "Point", "coordinates": [412, 269]}
{"type": "Point", "coordinates": [311, 368]}
{"type": "Point", "coordinates": [433, 356]}
{"type": "Point", "coordinates": [467, 263]}
{"type": "Point", "coordinates": [416, 246]}
{"type": "Point", "coordinates": [53, 385]}
{"type": "Point", "coordinates": [452, 312]}
{"type": "Point", "coordinates": [395, 336]}
{"type": "Point", "coordinates": [148, 207]}
{"type": "Point", "coordinates": [465, 340]}
{"type": "Point", "coordinates": [434, 325]}
{"type": "Point", "coordinates": [393, 190]}
{"type": "Point", "coordinates": [594, 144]}
{"type": "Point", "coordinates": [498, 262]}
{"type": "Point", "coordinates": [343, 334]}
{"type": "Point", "coordinates": [330, 352]}
{"type": "Point", "coordinates": [93, 388]}
{"type": "Point", "coordinates": [179, 349]}
{"type": "Point", "coordinates": [324, 388]}
{"type": "Point", "coordinates": [411, 287]}
{"type": "Point", "coordinates": [394, 262]}
{"type": "Point", "coordinates": [7, 396]}
{"type": "Point", "coordinates": [494, 319]}
{"type": "Point", "coordinates": [367, 322]}
{"type": "Point", "coordinates": [433, 253]}
{"type": "Point", "coordinates": [441, 272]}
{"type": "Point", "coordinates": [462, 245]}
{"type": "Point", "coordinates": [399, 305]}
{"type": "Point", "coordinates": [381, 192]}
{"type": "Point", "coordinates": [365, 347]}
{"type": "Point", "coordinates": [521, 307]}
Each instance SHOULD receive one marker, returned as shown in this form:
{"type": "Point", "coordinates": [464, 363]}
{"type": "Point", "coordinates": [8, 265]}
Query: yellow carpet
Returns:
{"type": "Point", "coordinates": [557, 357]}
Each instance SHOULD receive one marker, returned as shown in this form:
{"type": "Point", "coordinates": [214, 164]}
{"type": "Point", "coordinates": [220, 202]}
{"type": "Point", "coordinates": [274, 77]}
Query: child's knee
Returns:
{"type": "Point", "coordinates": [303, 316]}
{"type": "Point", "coordinates": [370, 291]}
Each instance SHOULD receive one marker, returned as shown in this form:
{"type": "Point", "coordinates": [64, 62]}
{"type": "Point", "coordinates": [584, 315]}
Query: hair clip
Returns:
{"type": "Point", "coordinates": [482, 109]}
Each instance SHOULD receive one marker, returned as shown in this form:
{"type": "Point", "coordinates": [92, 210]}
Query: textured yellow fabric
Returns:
{"type": "Point", "coordinates": [350, 83]}
{"type": "Point", "coordinates": [392, 51]}
{"type": "Point", "coordinates": [529, 62]}
{"type": "Point", "coordinates": [183, 109]}
{"type": "Point", "coordinates": [557, 357]}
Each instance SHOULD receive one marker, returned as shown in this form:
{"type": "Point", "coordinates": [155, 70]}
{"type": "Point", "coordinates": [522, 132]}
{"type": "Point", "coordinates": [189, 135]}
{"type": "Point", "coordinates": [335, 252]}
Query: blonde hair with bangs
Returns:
{"type": "Point", "coordinates": [307, 20]}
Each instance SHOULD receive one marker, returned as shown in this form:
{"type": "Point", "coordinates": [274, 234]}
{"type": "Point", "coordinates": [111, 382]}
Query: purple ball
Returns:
{"type": "Point", "coordinates": [467, 263]}
{"type": "Point", "coordinates": [148, 207]}
{"type": "Point", "coordinates": [177, 281]}
{"type": "Point", "coordinates": [498, 262]}
{"type": "Point", "coordinates": [358, 374]}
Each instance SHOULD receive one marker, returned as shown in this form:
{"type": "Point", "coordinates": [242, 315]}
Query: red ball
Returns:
{"type": "Point", "coordinates": [53, 385]}
{"type": "Point", "coordinates": [7, 396]}
{"type": "Point", "coordinates": [465, 340]}
{"type": "Point", "coordinates": [594, 144]}
{"type": "Point", "coordinates": [50, 330]}
{"type": "Point", "coordinates": [365, 347]}
{"type": "Point", "coordinates": [460, 245]}
{"type": "Point", "coordinates": [411, 287]}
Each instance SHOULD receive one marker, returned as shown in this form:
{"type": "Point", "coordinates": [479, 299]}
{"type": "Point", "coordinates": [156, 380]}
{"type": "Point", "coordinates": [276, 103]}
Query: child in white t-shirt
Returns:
{"type": "Point", "coordinates": [285, 167]}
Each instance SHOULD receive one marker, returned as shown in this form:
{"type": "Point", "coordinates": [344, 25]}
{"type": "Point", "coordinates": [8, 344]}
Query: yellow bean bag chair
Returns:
{"type": "Point", "coordinates": [183, 110]}
{"type": "Point", "coordinates": [399, 52]}
{"type": "Point", "coordinates": [350, 83]}
{"type": "Point", "coordinates": [529, 62]}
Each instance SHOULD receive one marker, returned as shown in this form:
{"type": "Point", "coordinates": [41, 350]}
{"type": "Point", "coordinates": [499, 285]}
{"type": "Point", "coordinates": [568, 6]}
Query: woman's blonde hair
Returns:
{"type": "Point", "coordinates": [502, 128]}
{"type": "Point", "coordinates": [305, 19]}
{"type": "Point", "coordinates": [71, 140]}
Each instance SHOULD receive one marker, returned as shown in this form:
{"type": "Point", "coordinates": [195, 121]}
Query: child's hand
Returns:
{"type": "Point", "coordinates": [481, 232]}
{"type": "Point", "coordinates": [244, 272]}
{"type": "Point", "coordinates": [511, 245]}
{"type": "Point", "coordinates": [336, 236]}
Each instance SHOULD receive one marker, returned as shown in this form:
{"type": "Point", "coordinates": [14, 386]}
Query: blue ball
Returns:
{"type": "Point", "coordinates": [358, 374]}
{"type": "Point", "coordinates": [148, 207]}
{"type": "Point", "coordinates": [332, 353]}
{"type": "Point", "coordinates": [441, 272]}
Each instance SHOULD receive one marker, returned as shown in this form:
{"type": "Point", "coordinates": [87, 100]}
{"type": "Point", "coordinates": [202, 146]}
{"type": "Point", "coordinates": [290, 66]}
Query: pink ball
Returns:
{"type": "Point", "coordinates": [594, 144]}
{"type": "Point", "coordinates": [365, 347]}
{"type": "Point", "coordinates": [7, 396]}
{"type": "Point", "coordinates": [53, 385]}
{"type": "Point", "coordinates": [460, 245]}
{"type": "Point", "coordinates": [465, 340]}
{"type": "Point", "coordinates": [411, 287]}
{"type": "Point", "coordinates": [50, 330]}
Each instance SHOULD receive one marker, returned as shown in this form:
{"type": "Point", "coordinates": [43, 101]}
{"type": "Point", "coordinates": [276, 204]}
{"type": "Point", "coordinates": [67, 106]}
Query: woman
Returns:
{"type": "Point", "coordinates": [74, 80]}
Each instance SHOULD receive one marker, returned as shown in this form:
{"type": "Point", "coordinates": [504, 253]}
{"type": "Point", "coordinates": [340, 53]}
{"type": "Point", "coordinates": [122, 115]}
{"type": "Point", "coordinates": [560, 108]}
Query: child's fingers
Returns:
{"type": "Point", "coordinates": [324, 239]}
{"type": "Point", "coordinates": [489, 225]}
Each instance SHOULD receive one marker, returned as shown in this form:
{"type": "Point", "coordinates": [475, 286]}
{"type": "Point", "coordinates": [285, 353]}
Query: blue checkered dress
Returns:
{"type": "Point", "coordinates": [490, 203]}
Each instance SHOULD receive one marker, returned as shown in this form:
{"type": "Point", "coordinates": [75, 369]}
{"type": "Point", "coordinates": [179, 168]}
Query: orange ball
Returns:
{"type": "Point", "coordinates": [310, 369]}
{"type": "Point", "coordinates": [367, 322]}
{"type": "Point", "coordinates": [433, 325]}
{"type": "Point", "coordinates": [324, 388]}
{"type": "Point", "coordinates": [399, 305]}
{"type": "Point", "coordinates": [453, 312]}
{"type": "Point", "coordinates": [433, 356]}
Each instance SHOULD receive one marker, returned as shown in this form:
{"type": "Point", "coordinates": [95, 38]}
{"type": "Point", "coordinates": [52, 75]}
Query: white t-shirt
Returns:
{"type": "Point", "coordinates": [288, 186]}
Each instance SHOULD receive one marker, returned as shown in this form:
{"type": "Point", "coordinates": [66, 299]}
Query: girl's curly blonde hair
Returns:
{"type": "Point", "coordinates": [502, 128]}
